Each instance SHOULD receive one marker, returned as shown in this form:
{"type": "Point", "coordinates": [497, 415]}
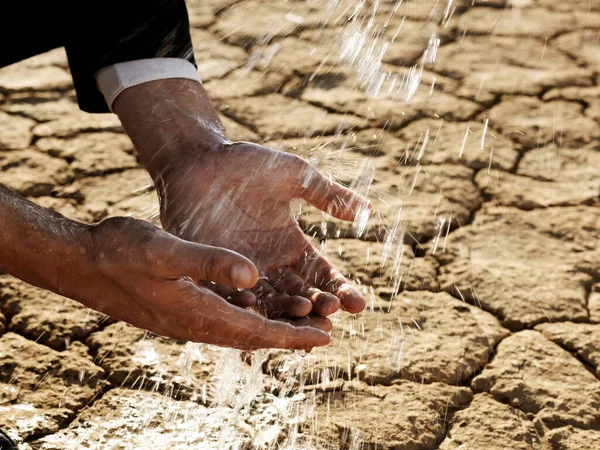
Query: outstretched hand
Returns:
{"type": "Point", "coordinates": [140, 274]}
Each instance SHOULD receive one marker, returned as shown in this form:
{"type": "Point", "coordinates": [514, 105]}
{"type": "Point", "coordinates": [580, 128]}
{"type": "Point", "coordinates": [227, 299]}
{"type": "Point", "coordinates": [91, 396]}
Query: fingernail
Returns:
{"type": "Point", "coordinates": [242, 275]}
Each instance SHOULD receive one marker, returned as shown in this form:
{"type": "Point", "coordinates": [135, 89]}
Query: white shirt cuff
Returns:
{"type": "Point", "coordinates": [112, 80]}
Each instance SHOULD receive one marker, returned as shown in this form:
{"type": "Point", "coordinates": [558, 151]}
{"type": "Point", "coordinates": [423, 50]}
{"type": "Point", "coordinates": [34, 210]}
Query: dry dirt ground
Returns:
{"type": "Point", "coordinates": [493, 340]}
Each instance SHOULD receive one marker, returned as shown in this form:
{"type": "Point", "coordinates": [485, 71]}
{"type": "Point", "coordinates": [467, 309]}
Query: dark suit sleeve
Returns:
{"type": "Point", "coordinates": [107, 32]}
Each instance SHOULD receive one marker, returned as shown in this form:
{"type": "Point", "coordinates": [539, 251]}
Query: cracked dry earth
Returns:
{"type": "Point", "coordinates": [481, 262]}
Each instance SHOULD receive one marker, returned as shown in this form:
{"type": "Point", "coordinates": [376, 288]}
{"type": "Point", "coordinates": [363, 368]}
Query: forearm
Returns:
{"type": "Point", "coordinates": [39, 246]}
{"type": "Point", "coordinates": [166, 118]}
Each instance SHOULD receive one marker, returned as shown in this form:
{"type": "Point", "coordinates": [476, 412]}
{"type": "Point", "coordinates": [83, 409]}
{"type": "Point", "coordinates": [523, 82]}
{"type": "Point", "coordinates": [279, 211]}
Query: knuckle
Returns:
{"type": "Point", "coordinates": [209, 266]}
{"type": "Point", "coordinates": [297, 161]}
{"type": "Point", "coordinates": [299, 166]}
{"type": "Point", "coordinates": [151, 253]}
{"type": "Point", "coordinates": [125, 240]}
{"type": "Point", "coordinates": [150, 257]}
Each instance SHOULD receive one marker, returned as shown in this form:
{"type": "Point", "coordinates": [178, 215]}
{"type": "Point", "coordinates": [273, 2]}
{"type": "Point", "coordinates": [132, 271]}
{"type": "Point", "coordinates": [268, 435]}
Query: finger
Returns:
{"type": "Point", "coordinates": [217, 322]}
{"type": "Point", "coordinates": [176, 258]}
{"type": "Point", "coordinates": [320, 322]}
{"type": "Point", "coordinates": [272, 303]}
{"type": "Point", "coordinates": [320, 273]}
{"type": "Point", "coordinates": [332, 197]}
{"type": "Point", "coordinates": [287, 281]}
{"type": "Point", "coordinates": [243, 299]}
{"type": "Point", "coordinates": [223, 291]}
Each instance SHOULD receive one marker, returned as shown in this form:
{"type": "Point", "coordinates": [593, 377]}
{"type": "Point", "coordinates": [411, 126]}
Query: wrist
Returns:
{"type": "Point", "coordinates": [169, 121]}
{"type": "Point", "coordinates": [174, 158]}
{"type": "Point", "coordinates": [74, 256]}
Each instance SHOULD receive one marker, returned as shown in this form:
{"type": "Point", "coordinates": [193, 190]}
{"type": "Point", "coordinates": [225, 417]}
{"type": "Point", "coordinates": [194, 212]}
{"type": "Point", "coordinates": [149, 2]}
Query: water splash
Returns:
{"type": "Point", "coordinates": [191, 354]}
{"type": "Point", "coordinates": [236, 383]}
{"type": "Point", "coordinates": [393, 248]}
{"type": "Point", "coordinates": [146, 354]}
{"type": "Point", "coordinates": [361, 185]}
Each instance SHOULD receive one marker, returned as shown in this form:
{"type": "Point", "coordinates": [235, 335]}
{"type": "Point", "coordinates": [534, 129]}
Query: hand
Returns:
{"type": "Point", "coordinates": [143, 276]}
{"type": "Point", "coordinates": [237, 195]}
{"type": "Point", "coordinates": [135, 272]}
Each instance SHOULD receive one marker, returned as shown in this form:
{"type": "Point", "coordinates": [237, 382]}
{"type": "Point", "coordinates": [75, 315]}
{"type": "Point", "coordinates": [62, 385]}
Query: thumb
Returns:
{"type": "Point", "coordinates": [205, 262]}
{"type": "Point", "coordinates": [331, 197]}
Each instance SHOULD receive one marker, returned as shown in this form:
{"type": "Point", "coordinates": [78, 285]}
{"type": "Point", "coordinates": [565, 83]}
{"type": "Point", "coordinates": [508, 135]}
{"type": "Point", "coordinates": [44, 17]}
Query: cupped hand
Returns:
{"type": "Point", "coordinates": [238, 195]}
{"type": "Point", "coordinates": [143, 276]}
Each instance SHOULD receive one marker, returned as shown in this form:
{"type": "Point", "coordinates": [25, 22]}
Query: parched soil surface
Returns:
{"type": "Point", "coordinates": [481, 262]}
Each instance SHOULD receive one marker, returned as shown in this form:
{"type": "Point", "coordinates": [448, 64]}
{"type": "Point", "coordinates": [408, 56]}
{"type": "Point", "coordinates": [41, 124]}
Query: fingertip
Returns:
{"type": "Point", "coordinates": [244, 299]}
{"type": "Point", "coordinates": [297, 337]}
{"type": "Point", "coordinates": [326, 304]}
{"type": "Point", "coordinates": [318, 338]}
{"type": "Point", "coordinates": [352, 301]}
{"type": "Point", "coordinates": [327, 327]}
{"type": "Point", "coordinates": [298, 306]}
{"type": "Point", "coordinates": [342, 213]}
{"type": "Point", "coordinates": [356, 206]}
{"type": "Point", "coordinates": [244, 275]}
